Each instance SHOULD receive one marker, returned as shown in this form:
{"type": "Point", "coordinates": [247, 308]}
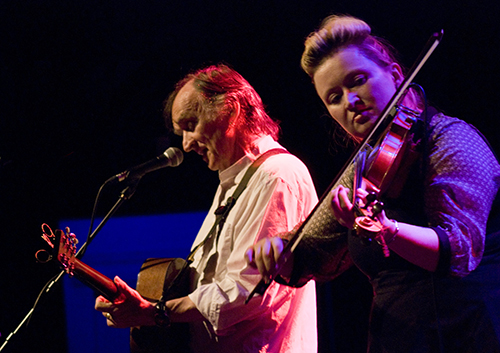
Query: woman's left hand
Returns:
{"type": "Point", "coordinates": [128, 310]}
{"type": "Point", "coordinates": [342, 207]}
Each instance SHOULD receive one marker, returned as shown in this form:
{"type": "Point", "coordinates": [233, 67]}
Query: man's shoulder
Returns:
{"type": "Point", "coordinates": [285, 166]}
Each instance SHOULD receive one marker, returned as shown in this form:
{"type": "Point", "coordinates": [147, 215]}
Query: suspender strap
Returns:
{"type": "Point", "coordinates": [223, 211]}
{"type": "Point", "coordinates": [221, 214]}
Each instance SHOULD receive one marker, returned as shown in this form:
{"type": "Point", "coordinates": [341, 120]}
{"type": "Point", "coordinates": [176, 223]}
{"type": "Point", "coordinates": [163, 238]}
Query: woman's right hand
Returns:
{"type": "Point", "coordinates": [264, 255]}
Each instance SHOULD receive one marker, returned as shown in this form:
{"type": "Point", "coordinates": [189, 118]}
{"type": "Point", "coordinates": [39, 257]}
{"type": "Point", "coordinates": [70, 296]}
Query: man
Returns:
{"type": "Point", "coordinates": [221, 117]}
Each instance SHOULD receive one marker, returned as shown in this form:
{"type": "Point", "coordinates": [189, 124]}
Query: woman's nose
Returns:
{"type": "Point", "coordinates": [352, 100]}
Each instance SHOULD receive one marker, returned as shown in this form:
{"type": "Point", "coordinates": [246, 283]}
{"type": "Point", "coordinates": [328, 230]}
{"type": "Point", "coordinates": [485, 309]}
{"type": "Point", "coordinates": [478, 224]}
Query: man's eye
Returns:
{"type": "Point", "coordinates": [190, 126]}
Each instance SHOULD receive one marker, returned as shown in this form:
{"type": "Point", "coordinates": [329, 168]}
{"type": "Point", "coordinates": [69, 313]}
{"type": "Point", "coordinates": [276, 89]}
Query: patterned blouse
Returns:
{"type": "Point", "coordinates": [451, 191]}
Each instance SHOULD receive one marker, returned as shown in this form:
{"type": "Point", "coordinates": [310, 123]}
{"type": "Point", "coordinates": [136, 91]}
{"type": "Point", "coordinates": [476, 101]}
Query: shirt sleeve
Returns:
{"type": "Point", "coordinates": [324, 240]}
{"type": "Point", "coordinates": [461, 182]}
{"type": "Point", "coordinates": [274, 201]}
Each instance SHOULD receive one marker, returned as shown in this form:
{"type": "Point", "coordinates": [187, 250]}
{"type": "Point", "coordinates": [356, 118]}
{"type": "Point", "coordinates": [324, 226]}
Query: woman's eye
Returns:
{"type": "Point", "coordinates": [334, 98]}
{"type": "Point", "coordinates": [359, 80]}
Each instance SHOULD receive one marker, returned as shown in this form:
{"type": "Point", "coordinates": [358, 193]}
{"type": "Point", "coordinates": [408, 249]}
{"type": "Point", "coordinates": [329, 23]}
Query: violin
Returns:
{"type": "Point", "coordinates": [388, 138]}
{"type": "Point", "coordinates": [392, 155]}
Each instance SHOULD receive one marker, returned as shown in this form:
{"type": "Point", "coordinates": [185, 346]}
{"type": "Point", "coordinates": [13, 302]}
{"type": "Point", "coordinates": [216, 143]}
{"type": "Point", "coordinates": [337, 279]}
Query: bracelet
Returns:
{"type": "Point", "coordinates": [393, 236]}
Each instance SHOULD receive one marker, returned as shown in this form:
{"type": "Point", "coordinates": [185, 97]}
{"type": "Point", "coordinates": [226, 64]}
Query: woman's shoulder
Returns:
{"type": "Point", "coordinates": [441, 121]}
{"type": "Point", "coordinates": [453, 129]}
{"type": "Point", "coordinates": [456, 138]}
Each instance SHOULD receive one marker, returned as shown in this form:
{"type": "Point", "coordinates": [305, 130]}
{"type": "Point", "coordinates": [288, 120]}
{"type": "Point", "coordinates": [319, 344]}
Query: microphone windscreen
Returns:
{"type": "Point", "coordinates": [174, 156]}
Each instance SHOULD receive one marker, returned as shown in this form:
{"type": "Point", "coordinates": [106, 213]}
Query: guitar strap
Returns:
{"type": "Point", "coordinates": [221, 214]}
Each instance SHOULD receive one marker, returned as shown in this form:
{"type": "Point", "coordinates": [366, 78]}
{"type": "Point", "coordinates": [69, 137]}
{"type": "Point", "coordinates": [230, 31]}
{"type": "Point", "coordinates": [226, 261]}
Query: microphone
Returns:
{"type": "Point", "coordinates": [172, 157]}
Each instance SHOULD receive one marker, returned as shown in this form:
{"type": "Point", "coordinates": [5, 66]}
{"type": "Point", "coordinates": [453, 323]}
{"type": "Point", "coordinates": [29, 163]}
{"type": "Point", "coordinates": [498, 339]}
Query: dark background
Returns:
{"type": "Point", "coordinates": [81, 89]}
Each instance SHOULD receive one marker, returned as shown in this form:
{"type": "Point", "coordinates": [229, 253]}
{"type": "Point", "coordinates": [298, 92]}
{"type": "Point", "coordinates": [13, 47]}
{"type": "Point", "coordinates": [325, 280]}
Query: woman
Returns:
{"type": "Point", "coordinates": [438, 287]}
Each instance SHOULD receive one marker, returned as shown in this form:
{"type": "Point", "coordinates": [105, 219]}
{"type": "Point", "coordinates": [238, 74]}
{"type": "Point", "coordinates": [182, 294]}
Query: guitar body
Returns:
{"type": "Point", "coordinates": [158, 276]}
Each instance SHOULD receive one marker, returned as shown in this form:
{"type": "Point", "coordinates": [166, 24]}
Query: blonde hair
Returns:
{"type": "Point", "coordinates": [340, 31]}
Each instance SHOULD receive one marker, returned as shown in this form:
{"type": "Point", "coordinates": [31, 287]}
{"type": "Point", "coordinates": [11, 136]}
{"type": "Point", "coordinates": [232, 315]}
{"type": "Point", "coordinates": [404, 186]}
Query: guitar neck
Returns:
{"type": "Point", "coordinates": [96, 280]}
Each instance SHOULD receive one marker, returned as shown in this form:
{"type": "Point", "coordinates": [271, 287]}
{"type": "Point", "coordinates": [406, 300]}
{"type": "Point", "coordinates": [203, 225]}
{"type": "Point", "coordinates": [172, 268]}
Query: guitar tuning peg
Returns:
{"type": "Point", "coordinates": [43, 256]}
{"type": "Point", "coordinates": [71, 236]}
{"type": "Point", "coordinates": [47, 239]}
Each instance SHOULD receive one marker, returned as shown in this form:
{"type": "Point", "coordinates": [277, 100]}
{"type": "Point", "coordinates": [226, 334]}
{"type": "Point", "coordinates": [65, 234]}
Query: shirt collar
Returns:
{"type": "Point", "coordinates": [229, 175]}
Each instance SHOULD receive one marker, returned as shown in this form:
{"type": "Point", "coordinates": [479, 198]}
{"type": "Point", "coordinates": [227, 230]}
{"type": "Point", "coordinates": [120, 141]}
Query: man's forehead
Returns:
{"type": "Point", "coordinates": [186, 96]}
{"type": "Point", "coordinates": [186, 99]}
{"type": "Point", "coordinates": [184, 105]}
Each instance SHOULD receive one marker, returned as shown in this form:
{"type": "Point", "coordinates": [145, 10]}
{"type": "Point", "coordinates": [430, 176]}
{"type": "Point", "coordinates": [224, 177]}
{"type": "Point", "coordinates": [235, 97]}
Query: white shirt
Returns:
{"type": "Point", "coordinates": [278, 196]}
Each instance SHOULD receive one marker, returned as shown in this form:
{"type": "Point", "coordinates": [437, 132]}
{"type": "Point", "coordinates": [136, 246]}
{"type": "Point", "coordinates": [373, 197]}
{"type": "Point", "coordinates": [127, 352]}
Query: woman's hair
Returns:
{"type": "Point", "coordinates": [220, 86]}
{"type": "Point", "coordinates": [340, 31]}
{"type": "Point", "coordinates": [337, 32]}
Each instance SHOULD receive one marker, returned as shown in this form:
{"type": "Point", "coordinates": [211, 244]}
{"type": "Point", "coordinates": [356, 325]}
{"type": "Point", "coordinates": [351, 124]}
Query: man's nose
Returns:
{"type": "Point", "coordinates": [187, 141]}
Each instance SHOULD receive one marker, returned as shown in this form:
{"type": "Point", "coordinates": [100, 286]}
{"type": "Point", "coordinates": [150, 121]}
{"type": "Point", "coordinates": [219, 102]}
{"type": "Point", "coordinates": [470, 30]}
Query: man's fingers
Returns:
{"type": "Point", "coordinates": [102, 304]}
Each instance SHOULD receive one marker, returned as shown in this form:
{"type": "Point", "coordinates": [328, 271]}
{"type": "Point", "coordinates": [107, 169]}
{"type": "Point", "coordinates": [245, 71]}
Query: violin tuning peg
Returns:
{"type": "Point", "coordinates": [371, 197]}
{"type": "Point", "coordinates": [377, 208]}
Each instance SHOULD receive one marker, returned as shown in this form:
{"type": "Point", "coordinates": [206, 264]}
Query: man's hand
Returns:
{"type": "Point", "coordinates": [128, 310]}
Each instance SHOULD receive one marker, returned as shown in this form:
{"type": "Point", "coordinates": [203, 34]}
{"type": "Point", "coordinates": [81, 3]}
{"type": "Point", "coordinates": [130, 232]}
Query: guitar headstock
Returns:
{"type": "Point", "coordinates": [63, 246]}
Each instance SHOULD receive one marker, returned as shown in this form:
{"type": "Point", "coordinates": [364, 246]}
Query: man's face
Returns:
{"type": "Point", "coordinates": [208, 134]}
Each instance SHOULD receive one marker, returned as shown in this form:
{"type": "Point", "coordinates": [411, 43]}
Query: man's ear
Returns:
{"type": "Point", "coordinates": [235, 110]}
{"type": "Point", "coordinates": [234, 113]}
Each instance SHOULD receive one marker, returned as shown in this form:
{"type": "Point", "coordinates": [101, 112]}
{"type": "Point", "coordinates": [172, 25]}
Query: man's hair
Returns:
{"type": "Point", "coordinates": [220, 86]}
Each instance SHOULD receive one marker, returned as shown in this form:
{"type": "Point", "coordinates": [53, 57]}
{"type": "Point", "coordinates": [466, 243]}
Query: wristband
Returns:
{"type": "Point", "coordinates": [161, 316]}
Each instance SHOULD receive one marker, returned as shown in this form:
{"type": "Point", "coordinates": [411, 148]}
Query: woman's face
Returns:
{"type": "Point", "coordinates": [355, 90]}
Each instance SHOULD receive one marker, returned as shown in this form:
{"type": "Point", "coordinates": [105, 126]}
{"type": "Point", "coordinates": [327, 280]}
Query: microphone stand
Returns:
{"type": "Point", "coordinates": [126, 194]}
